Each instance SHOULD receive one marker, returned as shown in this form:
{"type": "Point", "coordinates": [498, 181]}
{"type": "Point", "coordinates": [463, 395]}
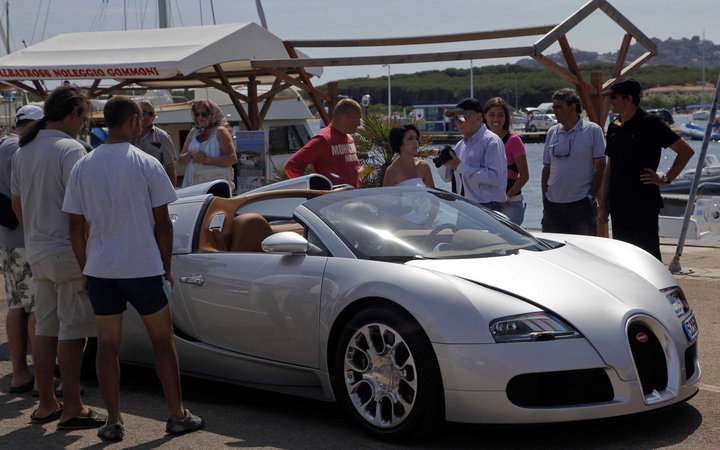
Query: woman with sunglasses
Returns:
{"type": "Point", "coordinates": [209, 151]}
{"type": "Point", "coordinates": [497, 117]}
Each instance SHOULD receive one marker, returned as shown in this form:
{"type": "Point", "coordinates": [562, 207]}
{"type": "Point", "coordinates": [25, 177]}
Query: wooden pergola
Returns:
{"type": "Point", "coordinates": [590, 91]}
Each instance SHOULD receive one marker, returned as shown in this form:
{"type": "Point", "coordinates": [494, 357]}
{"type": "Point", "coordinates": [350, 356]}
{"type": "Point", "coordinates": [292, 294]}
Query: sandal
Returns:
{"type": "Point", "coordinates": [92, 420]}
{"type": "Point", "coordinates": [53, 416]}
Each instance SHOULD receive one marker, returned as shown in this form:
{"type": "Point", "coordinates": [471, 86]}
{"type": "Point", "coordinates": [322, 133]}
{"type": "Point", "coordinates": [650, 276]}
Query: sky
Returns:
{"type": "Point", "coordinates": [32, 21]}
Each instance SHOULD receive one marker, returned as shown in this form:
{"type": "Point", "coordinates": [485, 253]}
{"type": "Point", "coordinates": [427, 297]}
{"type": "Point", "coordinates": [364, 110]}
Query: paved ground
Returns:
{"type": "Point", "coordinates": [240, 417]}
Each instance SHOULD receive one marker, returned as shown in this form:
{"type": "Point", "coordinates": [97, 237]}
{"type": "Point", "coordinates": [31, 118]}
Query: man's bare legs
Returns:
{"type": "Point", "coordinates": [18, 333]}
{"type": "Point", "coordinates": [44, 353]}
{"type": "Point", "coordinates": [70, 360]}
{"type": "Point", "coordinates": [160, 330]}
{"type": "Point", "coordinates": [108, 365]}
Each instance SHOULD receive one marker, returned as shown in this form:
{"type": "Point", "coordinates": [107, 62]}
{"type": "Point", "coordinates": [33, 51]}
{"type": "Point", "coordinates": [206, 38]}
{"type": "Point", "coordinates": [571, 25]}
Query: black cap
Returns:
{"type": "Point", "coordinates": [628, 86]}
{"type": "Point", "coordinates": [466, 104]}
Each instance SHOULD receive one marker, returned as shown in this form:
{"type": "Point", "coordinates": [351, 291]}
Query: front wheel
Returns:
{"type": "Point", "coordinates": [533, 128]}
{"type": "Point", "coordinates": [386, 374]}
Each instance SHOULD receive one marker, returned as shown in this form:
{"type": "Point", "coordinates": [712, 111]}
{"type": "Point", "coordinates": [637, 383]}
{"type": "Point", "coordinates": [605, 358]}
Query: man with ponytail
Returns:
{"type": "Point", "coordinates": [64, 317]}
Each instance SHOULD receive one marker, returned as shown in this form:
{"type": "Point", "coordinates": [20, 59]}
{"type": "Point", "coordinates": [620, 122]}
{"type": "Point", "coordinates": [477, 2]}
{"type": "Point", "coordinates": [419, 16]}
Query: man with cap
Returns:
{"type": "Point", "coordinates": [478, 168]}
{"type": "Point", "coordinates": [631, 193]}
{"type": "Point", "coordinates": [573, 165]}
{"type": "Point", "coordinates": [20, 321]}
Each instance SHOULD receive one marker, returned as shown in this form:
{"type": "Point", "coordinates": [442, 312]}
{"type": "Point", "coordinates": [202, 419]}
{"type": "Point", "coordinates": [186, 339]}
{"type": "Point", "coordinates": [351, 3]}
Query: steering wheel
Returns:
{"type": "Point", "coordinates": [433, 234]}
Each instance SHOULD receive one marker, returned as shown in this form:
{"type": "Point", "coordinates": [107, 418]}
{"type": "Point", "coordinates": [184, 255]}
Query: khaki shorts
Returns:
{"type": "Point", "coordinates": [18, 279]}
{"type": "Point", "coordinates": [62, 309]}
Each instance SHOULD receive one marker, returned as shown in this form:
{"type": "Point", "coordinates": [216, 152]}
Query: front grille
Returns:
{"type": "Point", "coordinates": [563, 388]}
{"type": "Point", "coordinates": [649, 358]}
{"type": "Point", "coordinates": [690, 358]}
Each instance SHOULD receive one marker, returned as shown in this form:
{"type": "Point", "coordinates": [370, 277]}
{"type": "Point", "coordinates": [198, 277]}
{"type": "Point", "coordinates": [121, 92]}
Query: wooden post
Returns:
{"type": "Point", "coordinates": [253, 111]}
{"type": "Point", "coordinates": [596, 100]}
{"type": "Point", "coordinates": [306, 79]}
{"type": "Point", "coordinates": [333, 92]}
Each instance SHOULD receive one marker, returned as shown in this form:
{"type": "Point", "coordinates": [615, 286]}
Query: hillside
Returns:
{"type": "Point", "coordinates": [527, 83]}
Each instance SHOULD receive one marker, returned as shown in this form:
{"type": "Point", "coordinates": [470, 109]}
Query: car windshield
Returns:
{"type": "Point", "coordinates": [403, 223]}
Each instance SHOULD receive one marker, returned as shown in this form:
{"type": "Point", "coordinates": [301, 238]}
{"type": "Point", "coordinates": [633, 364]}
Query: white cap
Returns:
{"type": "Point", "coordinates": [29, 112]}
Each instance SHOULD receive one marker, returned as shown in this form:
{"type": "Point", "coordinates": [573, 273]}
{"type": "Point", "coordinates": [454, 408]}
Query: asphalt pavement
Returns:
{"type": "Point", "coordinates": [248, 418]}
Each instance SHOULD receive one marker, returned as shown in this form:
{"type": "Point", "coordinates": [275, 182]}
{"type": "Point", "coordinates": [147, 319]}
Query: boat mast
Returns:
{"type": "Point", "coordinates": [162, 13]}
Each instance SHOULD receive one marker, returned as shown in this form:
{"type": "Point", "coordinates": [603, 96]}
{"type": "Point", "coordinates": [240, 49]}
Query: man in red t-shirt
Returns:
{"type": "Point", "coordinates": [332, 151]}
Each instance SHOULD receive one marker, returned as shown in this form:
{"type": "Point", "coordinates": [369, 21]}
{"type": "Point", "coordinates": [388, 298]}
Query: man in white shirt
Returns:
{"type": "Point", "coordinates": [64, 318]}
{"type": "Point", "coordinates": [123, 194]}
{"type": "Point", "coordinates": [478, 165]}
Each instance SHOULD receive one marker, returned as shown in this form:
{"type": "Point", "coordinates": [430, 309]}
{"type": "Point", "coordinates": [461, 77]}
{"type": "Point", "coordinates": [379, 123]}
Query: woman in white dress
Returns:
{"type": "Point", "coordinates": [407, 170]}
{"type": "Point", "coordinates": [209, 151]}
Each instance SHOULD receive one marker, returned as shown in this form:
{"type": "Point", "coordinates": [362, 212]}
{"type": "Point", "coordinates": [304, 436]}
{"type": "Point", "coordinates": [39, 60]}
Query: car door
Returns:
{"type": "Point", "coordinates": [257, 304]}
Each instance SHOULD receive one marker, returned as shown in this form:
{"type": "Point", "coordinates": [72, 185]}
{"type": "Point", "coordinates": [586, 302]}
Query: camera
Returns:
{"type": "Point", "coordinates": [443, 156]}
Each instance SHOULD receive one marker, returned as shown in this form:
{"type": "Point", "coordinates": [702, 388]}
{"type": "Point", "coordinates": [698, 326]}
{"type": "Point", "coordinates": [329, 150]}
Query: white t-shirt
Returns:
{"type": "Point", "coordinates": [116, 187]}
{"type": "Point", "coordinates": [40, 171]}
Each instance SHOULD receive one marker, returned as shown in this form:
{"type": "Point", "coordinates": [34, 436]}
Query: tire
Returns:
{"type": "Point", "coordinates": [533, 128]}
{"type": "Point", "coordinates": [393, 392]}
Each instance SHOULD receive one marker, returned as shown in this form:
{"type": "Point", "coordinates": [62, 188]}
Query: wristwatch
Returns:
{"type": "Point", "coordinates": [666, 180]}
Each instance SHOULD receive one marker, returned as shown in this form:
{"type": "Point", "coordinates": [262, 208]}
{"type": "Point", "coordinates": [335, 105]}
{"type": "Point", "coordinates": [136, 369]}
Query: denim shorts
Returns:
{"type": "Point", "coordinates": [109, 296]}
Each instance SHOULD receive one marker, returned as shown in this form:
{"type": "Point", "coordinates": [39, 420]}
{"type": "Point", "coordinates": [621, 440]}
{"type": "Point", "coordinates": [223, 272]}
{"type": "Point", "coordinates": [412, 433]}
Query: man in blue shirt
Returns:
{"type": "Point", "coordinates": [573, 165]}
{"type": "Point", "coordinates": [478, 165]}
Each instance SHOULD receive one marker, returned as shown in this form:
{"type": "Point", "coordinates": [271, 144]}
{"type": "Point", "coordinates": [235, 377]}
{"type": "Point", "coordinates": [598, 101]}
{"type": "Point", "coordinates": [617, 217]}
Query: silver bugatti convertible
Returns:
{"type": "Point", "coordinates": [411, 306]}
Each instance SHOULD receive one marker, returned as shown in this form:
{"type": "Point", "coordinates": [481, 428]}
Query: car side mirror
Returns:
{"type": "Point", "coordinates": [286, 242]}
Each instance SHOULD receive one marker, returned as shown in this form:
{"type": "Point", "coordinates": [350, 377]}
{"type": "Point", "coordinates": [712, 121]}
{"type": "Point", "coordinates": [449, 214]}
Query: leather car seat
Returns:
{"type": "Point", "coordinates": [248, 232]}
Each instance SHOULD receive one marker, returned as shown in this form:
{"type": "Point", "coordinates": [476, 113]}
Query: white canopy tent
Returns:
{"type": "Point", "coordinates": [218, 56]}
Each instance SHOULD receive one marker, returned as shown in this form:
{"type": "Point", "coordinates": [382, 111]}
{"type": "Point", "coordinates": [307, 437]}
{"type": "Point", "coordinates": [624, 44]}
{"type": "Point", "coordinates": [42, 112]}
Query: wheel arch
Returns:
{"type": "Point", "coordinates": [353, 308]}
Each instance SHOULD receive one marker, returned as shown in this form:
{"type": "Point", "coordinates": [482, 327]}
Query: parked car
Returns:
{"type": "Point", "coordinates": [664, 114]}
{"type": "Point", "coordinates": [541, 122]}
{"type": "Point", "coordinates": [405, 305]}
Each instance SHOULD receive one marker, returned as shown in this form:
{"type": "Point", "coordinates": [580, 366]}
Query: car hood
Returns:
{"type": "Point", "coordinates": [594, 295]}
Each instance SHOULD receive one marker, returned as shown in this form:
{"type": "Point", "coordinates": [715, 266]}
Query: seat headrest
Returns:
{"type": "Point", "coordinates": [248, 232]}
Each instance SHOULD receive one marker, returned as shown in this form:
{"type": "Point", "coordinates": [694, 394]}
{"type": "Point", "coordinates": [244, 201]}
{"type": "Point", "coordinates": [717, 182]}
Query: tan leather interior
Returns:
{"type": "Point", "coordinates": [229, 206]}
{"type": "Point", "coordinates": [248, 232]}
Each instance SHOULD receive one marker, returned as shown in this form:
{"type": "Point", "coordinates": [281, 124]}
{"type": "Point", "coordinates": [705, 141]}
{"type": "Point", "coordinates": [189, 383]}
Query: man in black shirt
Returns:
{"type": "Point", "coordinates": [630, 192]}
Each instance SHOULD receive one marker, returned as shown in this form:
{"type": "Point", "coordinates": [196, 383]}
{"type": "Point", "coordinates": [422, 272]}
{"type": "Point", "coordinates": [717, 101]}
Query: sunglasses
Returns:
{"type": "Point", "coordinates": [148, 113]}
{"type": "Point", "coordinates": [462, 118]}
{"type": "Point", "coordinates": [201, 114]}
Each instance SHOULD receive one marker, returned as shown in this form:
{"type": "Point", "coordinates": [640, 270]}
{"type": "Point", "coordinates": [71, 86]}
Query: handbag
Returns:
{"type": "Point", "coordinates": [202, 173]}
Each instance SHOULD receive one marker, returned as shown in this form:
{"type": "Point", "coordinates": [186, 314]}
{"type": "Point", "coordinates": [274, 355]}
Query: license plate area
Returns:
{"type": "Point", "coordinates": [691, 328]}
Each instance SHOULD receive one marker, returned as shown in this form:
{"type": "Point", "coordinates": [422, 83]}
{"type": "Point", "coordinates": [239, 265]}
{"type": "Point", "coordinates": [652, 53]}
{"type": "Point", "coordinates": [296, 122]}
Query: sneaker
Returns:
{"type": "Point", "coordinates": [112, 432]}
{"type": "Point", "coordinates": [187, 424]}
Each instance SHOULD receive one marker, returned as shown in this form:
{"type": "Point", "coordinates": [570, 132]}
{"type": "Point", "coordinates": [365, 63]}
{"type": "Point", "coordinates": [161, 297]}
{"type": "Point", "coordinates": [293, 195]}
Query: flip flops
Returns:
{"type": "Point", "coordinates": [92, 420]}
{"type": "Point", "coordinates": [22, 388]}
{"type": "Point", "coordinates": [53, 416]}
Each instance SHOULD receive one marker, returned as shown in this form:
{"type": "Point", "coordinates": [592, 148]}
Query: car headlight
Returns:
{"type": "Point", "coordinates": [531, 327]}
{"type": "Point", "coordinates": [676, 297]}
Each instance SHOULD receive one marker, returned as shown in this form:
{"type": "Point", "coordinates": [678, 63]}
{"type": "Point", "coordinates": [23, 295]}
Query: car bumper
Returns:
{"type": "Point", "coordinates": [476, 380]}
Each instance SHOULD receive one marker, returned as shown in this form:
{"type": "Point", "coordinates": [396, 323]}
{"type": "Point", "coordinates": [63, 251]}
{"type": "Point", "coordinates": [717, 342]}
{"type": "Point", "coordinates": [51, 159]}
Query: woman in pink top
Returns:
{"type": "Point", "coordinates": [497, 117]}
{"type": "Point", "coordinates": [407, 170]}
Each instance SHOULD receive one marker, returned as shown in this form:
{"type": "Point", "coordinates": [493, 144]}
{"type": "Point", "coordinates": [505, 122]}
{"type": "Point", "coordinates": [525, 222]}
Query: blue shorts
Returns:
{"type": "Point", "coordinates": [109, 296]}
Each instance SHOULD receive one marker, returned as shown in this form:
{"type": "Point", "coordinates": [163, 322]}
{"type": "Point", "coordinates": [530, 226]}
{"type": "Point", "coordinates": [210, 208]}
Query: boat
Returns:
{"type": "Point", "coordinates": [681, 185]}
{"type": "Point", "coordinates": [696, 131]}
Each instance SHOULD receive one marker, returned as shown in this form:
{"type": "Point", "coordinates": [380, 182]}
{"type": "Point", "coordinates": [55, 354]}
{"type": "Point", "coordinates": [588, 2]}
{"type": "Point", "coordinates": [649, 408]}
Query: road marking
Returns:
{"type": "Point", "coordinates": [709, 387]}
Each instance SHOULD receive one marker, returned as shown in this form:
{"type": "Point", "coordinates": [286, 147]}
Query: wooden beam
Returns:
{"type": "Point", "coordinates": [581, 85]}
{"type": "Point", "coordinates": [40, 88]}
{"type": "Point", "coordinates": [557, 68]}
{"type": "Point", "coordinates": [628, 26]}
{"type": "Point", "coordinates": [567, 25]}
{"type": "Point", "coordinates": [395, 59]}
{"type": "Point", "coordinates": [628, 70]}
{"type": "Point", "coordinates": [253, 103]}
{"type": "Point", "coordinates": [317, 100]}
{"type": "Point", "coordinates": [269, 96]}
{"type": "Point", "coordinates": [596, 99]}
{"type": "Point", "coordinates": [622, 55]}
{"type": "Point", "coordinates": [25, 87]}
{"type": "Point", "coordinates": [228, 89]}
{"type": "Point", "coordinates": [333, 92]}
{"type": "Point", "coordinates": [295, 82]}
{"type": "Point", "coordinates": [234, 97]}
{"type": "Point", "coordinates": [433, 39]}
{"type": "Point", "coordinates": [116, 87]}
